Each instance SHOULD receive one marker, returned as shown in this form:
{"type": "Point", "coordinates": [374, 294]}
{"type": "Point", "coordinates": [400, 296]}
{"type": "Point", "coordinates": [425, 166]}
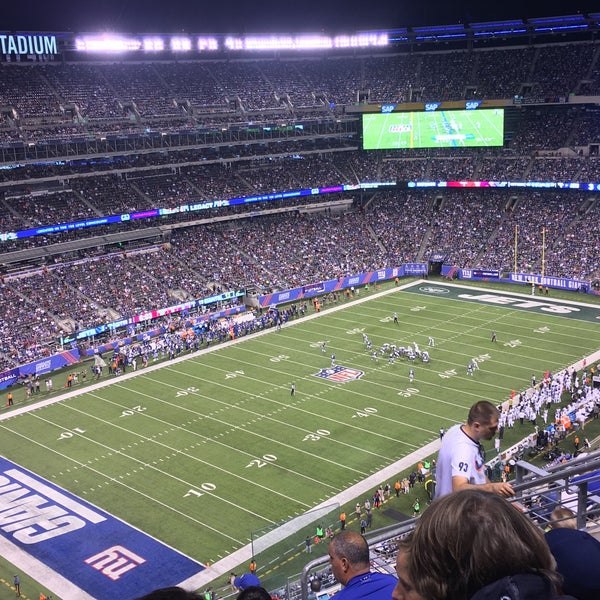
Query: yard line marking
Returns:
{"type": "Point", "coordinates": [117, 481]}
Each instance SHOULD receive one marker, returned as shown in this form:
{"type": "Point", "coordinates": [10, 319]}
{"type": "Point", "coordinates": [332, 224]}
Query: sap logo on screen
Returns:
{"type": "Point", "coordinates": [32, 512]}
{"type": "Point", "coordinates": [388, 108]}
{"type": "Point", "coordinates": [431, 106]}
{"type": "Point", "coordinates": [115, 561]}
{"type": "Point", "coordinates": [472, 104]}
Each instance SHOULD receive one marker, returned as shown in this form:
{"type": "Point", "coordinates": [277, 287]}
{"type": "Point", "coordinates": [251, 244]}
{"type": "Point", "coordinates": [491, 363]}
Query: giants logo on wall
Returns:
{"type": "Point", "coordinates": [340, 374]}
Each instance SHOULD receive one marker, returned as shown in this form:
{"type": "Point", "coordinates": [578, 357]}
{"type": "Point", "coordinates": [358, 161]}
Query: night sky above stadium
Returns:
{"type": "Point", "coordinates": [267, 16]}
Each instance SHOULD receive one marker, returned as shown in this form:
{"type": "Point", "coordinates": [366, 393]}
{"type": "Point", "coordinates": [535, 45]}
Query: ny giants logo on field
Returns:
{"type": "Point", "coordinates": [340, 374]}
{"type": "Point", "coordinates": [115, 561]}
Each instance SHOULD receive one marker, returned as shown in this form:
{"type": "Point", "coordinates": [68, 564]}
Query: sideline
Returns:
{"type": "Point", "coordinates": [110, 379]}
{"type": "Point", "coordinates": [243, 555]}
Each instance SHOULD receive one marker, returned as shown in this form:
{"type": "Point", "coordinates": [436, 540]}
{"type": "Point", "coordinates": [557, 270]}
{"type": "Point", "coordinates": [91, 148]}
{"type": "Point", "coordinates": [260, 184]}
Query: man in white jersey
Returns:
{"type": "Point", "coordinates": [461, 463]}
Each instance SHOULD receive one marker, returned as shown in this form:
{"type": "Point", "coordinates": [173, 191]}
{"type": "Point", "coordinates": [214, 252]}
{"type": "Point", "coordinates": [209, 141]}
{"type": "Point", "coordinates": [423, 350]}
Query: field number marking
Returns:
{"type": "Point", "coordinates": [205, 487]}
{"type": "Point", "coordinates": [132, 411]}
{"type": "Point", "coordinates": [266, 459]}
{"type": "Point", "coordinates": [408, 392]}
{"type": "Point", "coordinates": [279, 358]}
{"type": "Point", "coordinates": [65, 435]}
{"type": "Point", "coordinates": [513, 343]}
{"type": "Point", "coordinates": [234, 374]}
{"type": "Point", "coordinates": [313, 437]}
{"type": "Point", "coordinates": [447, 374]}
{"type": "Point", "coordinates": [365, 412]}
{"type": "Point", "coordinates": [355, 330]}
{"type": "Point", "coordinates": [190, 390]}
{"type": "Point", "coordinates": [482, 357]}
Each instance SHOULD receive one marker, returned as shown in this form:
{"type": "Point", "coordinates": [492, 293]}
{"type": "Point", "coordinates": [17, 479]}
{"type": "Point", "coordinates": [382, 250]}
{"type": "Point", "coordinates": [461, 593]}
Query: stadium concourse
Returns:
{"type": "Point", "coordinates": [219, 570]}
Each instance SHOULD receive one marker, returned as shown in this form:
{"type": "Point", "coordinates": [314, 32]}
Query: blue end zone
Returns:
{"type": "Point", "coordinates": [103, 556]}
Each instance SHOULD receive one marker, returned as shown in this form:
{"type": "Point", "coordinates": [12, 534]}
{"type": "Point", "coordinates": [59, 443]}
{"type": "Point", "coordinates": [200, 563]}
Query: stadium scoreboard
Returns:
{"type": "Point", "coordinates": [433, 128]}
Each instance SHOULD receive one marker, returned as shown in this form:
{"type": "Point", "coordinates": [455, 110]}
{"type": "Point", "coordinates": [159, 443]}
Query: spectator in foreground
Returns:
{"type": "Point", "coordinates": [350, 564]}
{"type": "Point", "coordinates": [461, 460]}
{"type": "Point", "coordinates": [562, 517]}
{"type": "Point", "coordinates": [254, 592]}
{"type": "Point", "coordinates": [473, 545]}
{"type": "Point", "coordinates": [577, 556]}
{"type": "Point", "coordinates": [405, 589]}
{"type": "Point", "coordinates": [245, 581]}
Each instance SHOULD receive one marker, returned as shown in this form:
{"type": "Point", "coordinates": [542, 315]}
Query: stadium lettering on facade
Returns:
{"type": "Point", "coordinates": [31, 511]}
{"type": "Point", "coordinates": [28, 44]}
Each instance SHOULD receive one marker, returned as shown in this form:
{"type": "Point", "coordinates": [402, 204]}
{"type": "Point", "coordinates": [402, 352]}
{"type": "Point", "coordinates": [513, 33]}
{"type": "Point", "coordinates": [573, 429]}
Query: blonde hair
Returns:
{"type": "Point", "coordinates": [563, 517]}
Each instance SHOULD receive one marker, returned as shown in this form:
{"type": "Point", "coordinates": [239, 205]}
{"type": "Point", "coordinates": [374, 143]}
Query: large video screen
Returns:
{"type": "Point", "coordinates": [435, 129]}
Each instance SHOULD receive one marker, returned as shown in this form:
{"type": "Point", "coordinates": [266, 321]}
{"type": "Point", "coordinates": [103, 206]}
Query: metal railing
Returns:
{"type": "Point", "coordinates": [574, 484]}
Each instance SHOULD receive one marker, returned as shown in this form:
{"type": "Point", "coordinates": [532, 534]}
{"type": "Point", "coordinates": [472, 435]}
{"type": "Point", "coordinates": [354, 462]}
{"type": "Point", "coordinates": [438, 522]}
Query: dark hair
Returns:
{"type": "Point", "coordinates": [352, 546]}
{"type": "Point", "coordinates": [482, 412]}
{"type": "Point", "coordinates": [471, 538]}
{"type": "Point", "coordinates": [254, 592]}
{"type": "Point", "coordinates": [170, 593]}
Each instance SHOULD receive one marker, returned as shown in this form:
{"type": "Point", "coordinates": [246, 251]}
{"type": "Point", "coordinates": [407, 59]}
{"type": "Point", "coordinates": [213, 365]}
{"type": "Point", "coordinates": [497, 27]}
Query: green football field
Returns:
{"type": "Point", "coordinates": [202, 452]}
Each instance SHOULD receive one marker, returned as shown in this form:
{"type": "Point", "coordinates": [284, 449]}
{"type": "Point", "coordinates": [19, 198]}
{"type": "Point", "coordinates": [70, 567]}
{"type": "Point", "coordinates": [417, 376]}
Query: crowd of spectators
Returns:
{"type": "Point", "coordinates": [295, 240]}
{"type": "Point", "coordinates": [72, 98]}
{"type": "Point", "coordinates": [289, 249]}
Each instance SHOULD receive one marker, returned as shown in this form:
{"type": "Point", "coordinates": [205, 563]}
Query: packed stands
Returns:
{"type": "Point", "coordinates": [128, 137]}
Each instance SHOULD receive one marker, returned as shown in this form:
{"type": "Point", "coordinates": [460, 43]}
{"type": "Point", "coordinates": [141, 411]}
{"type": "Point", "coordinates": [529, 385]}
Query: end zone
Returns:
{"type": "Point", "coordinates": [84, 551]}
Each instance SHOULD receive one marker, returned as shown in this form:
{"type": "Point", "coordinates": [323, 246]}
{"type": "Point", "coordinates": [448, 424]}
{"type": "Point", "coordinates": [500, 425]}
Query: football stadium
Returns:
{"type": "Point", "coordinates": [250, 282]}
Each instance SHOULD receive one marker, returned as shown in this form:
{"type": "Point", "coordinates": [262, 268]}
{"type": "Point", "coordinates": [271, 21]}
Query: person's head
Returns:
{"type": "Point", "coordinates": [404, 590]}
{"type": "Point", "coordinates": [170, 593]}
{"type": "Point", "coordinates": [482, 420]}
{"type": "Point", "coordinates": [474, 538]}
{"type": "Point", "coordinates": [348, 555]}
{"type": "Point", "coordinates": [563, 517]}
{"type": "Point", "coordinates": [246, 580]}
{"type": "Point", "coordinates": [254, 592]}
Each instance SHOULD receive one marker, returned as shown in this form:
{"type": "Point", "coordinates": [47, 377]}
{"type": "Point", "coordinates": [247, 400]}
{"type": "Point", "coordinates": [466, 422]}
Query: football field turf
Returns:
{"type": "Point", "coordinates": [201, 452]}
